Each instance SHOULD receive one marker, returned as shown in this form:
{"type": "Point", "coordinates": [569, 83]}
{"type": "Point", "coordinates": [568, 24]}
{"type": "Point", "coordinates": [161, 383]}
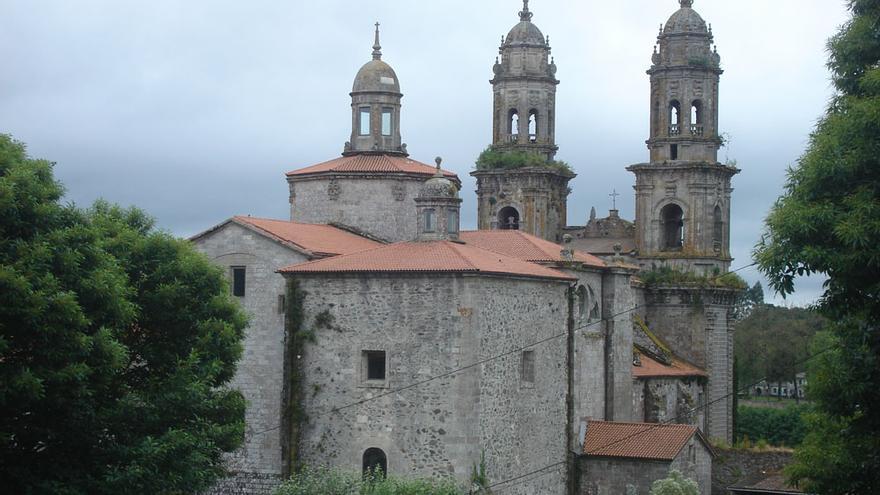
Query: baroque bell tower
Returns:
{"type": "Point", "coordinates": [683, 193]}
{"type": "Point", "coordinates": [533, 198]}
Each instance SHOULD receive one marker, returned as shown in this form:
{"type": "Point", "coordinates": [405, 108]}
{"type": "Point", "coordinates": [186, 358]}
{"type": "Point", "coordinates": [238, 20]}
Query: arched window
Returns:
{"type": "Point", "coordinates": [508, 218]}
{"type": "Point", "coordinates": [375, 461]}
{"type": "Point", "coordinates": [718, 230]}
{"type": "Point", "coordinates": [672, 227]}
{"type": "Point", "coordinates": [697, 118]}
{"type": "Point", "coordinates": [674, 118]}
{"type": "Point", "coordinates": [513, 124]}
{"type": "Point", "coordinates": [429, 220]}
{"type": "Point", "coordinates": [582, 302]}
{"type": "Point", "coordinates": [533, 125]}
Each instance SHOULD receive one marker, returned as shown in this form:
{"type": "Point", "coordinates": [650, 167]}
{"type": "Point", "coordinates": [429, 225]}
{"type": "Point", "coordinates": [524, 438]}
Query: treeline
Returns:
{"type": "Point", "coordinates": [774, 427]}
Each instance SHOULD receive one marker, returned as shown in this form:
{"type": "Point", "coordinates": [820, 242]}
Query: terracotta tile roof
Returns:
{"type": "Point", "coordinates": [427, 257]}
{"type": "Point", "coordinates": [655, 441]}
{"type": "Point", "coordinates": [373, 163]}
{"type": "Point", "coordinates": [651, 368]}
{"type": "Point", "coordinates": [318, 239]}
{"type": "Point", "coordinates": [524, 246]}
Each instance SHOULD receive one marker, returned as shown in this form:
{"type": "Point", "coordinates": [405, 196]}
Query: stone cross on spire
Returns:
{"type": "Point", "coordinates": [686, 3]}
{"type": "Point", "coordinates": [377, 48]}
{"type": "Point", "coordinates": [525, 15]}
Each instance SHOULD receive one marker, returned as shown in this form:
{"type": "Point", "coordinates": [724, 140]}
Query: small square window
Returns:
{"type": "Point", "coordinates": [527, 367]}
{"type": "Point", "coordinates": [374, 366]}
{"type": "Point", "coordinates": [238, 281]}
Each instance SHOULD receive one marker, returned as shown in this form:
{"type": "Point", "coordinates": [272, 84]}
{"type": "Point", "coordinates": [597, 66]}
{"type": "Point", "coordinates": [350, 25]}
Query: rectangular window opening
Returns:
{"type": "Point", "coordinates": [527, 367]}
{"type": "Point", "coordinates": [673, 152]}
{"type": "Point", "coordinates": [386, 121]}
{"type": "Point", "coordinates": [374, 365]}
{"type": "Point", "coordinates": [282, 304]}
{"type": "Point", "coordinates": [238, 273]}
{"type": "Point", "coordinates": [365, 121]}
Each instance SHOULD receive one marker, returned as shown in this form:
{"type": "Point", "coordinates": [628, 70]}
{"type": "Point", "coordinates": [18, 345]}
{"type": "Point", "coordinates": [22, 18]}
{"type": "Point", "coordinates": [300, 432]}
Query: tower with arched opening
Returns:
{"type": "Point", "coordinates": [530, 198]}
{"type": "Point", "coordinates": [683, 192]}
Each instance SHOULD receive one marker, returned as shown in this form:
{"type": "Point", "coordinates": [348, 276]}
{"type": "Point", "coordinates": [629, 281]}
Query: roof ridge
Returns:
{"type": "Point", "coordinates": [272, 234]}
{"type": "Point", "coordinates": [337, 257]}
{"type": "Point", "coordinates": [639, 423]}
{"type": "Point", "coordinates": [467, 260]}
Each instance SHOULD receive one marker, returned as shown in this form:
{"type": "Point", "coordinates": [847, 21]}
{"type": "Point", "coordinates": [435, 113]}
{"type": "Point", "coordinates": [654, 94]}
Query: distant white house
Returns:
{"type": "Point", "coordinates": [781, 389]}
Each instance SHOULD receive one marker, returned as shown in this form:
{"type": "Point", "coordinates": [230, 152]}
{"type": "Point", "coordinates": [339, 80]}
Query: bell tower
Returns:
{"type": "Point", "coordinates": [683, 193]}
{"type": "Point", "coordinates": [524, 90]}
{"type": "Point", "coordinates": [530, 195]}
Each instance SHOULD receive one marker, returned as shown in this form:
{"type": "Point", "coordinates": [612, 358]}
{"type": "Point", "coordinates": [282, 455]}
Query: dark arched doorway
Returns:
{"type": "Point", "coordinates": [375, 460]}
{"type": "Point", "coordinates": [508, 218]}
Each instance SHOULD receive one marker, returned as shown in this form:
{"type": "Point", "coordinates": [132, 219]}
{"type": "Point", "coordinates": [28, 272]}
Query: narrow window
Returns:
{"type": "Point", "coordinates": [282, 304]}
{"type": "Point", "coordinates": [582, 302]}
{"type": "Point", "coordinates": [533, 125]}
{"type": "Point", "coordinates": [452, 222]}
{"type": "Point", "coordinates": [696, 112]}
{"type": "Point", "coordinates": [508, 218]}
{"type": "Point", "coordinates": [375, 463]}
{"type": "Point", "coordinates": [527, 367]}
{"type": "Point", "coordinates": [429, 221]}
{"type": "Point", "coordinates": [374, 365]}
{"type": "Point", "coordinates": [238, 273]}
{"type": "Point", "coordinates": [718, 230]}
{"type": "Point", "coordinates": [594, 311]}
{"type": "Point", "coordinates": [673, 152]}
{"type": "Point", "coordinates": [672, 227]}
{"type": "Point", "coordinates": [386, 121]}
{"type": "Point", "coordinates": [365, 121]}
{"type": "Point", "coordinates": [674, 113]}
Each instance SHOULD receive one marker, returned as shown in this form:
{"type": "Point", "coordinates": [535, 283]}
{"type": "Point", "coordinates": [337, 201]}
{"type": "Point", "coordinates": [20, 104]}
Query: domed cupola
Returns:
{"type": "Point", "coordinates": [438, 206]}
{"type": "Point", "coordinates": [375, 105]}
{"type": "Point", "coordinates": [525, 33]}
{"type": "Point", "coordinates": [686, 20]}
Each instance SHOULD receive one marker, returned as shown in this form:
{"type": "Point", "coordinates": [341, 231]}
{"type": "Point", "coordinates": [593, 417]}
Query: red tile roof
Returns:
{"type": "Point", "coordinates": [427, 257]}
{"type": "Point", "coordinates": [655, 441]}
{"type": "Point", "coordinates": [372, 163]}
{"type": "Point", "coordinates": [651, 368]}
{"type": "Point", "coordinates": [316, 239]}
{"type": "Point", "coordinates": [524, 246]}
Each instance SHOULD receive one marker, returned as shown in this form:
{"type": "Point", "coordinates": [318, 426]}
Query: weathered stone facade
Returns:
{"type": "Point", "coordinates": [428, 326]}
{"type": "Point", "coordinates": [670, 400]}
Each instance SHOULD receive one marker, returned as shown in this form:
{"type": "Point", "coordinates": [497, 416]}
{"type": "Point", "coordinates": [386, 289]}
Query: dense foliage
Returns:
{"type": "Point", "coordinates": [115, 343]}
{"type": "Point", "coordinates": [828, 222]}
{"type": "Point", "coordinates": [323, 481]}
{"type": "Point", "coordinates": [492, 159]}
{"type": "Point", "coordinates": [773, 343]}
{"type": "Point", "coordinates": [778, 427]}
{"type": "Point", "coordinates": [675, 484]}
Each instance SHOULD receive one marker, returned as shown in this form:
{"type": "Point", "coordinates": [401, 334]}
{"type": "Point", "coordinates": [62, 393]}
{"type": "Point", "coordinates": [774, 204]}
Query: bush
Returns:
{"type": "Point", "coordinates": [492, 159]}
{"type": "Point", "coordinates": [675, 484]}
{"type": "Point", "coordinates": [671, 276]}
{"type": "Point", "coordinates": [325, 481]}
{"type": "Point", "coordinates": [778, 427]}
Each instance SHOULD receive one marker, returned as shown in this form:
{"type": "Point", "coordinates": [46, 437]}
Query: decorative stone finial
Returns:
{"type": "Point", "coordinates": [439, 172]}
{"type": "Point", "coordinates": [686, 4]}
{"type": "Point", "coordinates": [377, 48]}
{"type": "Point", "coordinates": [525, 15]}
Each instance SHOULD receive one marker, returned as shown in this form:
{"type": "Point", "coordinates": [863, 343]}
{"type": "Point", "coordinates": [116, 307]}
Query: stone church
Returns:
{"type": "Point", "coordinates": [381, 335]}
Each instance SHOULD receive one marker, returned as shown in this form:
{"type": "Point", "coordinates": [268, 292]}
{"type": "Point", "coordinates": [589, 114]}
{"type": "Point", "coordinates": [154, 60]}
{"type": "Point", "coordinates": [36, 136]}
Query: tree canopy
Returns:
{"type": "Point", "coordinates": [675, 484]}
{"type": "Point", "coordinates": [828, 222]}
{"type": "Point", "coordinates": [116, 342]}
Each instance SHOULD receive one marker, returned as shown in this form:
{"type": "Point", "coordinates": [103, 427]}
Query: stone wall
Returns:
{"type": "Point", "coordinates": [589, 349]}
{"type": "Point", "coordinates": [619, 301]}
{"type": "Point", "coordinates": [382, 205]}
{"type": "Point", "coordinates": [622, 476]}
{"type": "Point", "coordinates": [673, 400]}
{"type": "Point", "coordinates": [260, 368]}
{"type": "Point", "coordinates": [696, 324]}
{"type": "Point", "coordinates": [428, 326]}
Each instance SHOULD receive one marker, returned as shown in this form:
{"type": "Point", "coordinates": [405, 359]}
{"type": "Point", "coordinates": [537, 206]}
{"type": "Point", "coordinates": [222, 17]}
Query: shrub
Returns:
{"type": "Point", "coordinates": [326, 481]}
{"type": "Point", "coordinates": [777, 427]}
{"type": "Point", "coordinates": [492, 159]}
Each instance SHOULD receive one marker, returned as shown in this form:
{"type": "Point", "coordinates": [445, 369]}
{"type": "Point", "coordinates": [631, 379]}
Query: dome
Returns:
{"type": "Point", "coordinates": [525, 33]}
{"type": "Point", "coordinates": [374, 76]}
{"type": "Point", "coordinates": [685, 20]}
{"type": "Point", "coordinates": [439, 187]}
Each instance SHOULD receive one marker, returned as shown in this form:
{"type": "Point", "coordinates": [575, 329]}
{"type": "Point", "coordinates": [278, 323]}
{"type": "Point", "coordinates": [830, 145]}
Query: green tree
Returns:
{"type": "Point", "coordinates": [675, 484]}
{"type": "Point", "coordinates": [828, 222]}
{"type": "Point", "coordinates": [116, 341]}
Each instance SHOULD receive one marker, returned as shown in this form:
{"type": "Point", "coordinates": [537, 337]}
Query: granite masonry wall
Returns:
{"type": "Point", "coordinates": [257, 464]}
{"type": "Point", "coordinates": [622, 476]}
{"type": "Point", "coordinates": [382, 206]}
{"type": "Point", "coordinates": [739, 467]}
{"type": "Point", "coordinates": [668, 400]}
{"type": "Point", "coordinates": [427, 326]}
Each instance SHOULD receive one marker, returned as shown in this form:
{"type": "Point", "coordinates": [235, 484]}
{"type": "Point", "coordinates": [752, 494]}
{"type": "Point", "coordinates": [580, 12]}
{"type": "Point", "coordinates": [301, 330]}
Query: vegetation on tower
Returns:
{"type": "Point", "coordinates": [495, 159]}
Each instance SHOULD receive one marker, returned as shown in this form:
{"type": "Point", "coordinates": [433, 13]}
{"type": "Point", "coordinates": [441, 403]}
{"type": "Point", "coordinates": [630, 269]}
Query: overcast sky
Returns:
{"type": "Point", "coordinates": [193, 110]}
